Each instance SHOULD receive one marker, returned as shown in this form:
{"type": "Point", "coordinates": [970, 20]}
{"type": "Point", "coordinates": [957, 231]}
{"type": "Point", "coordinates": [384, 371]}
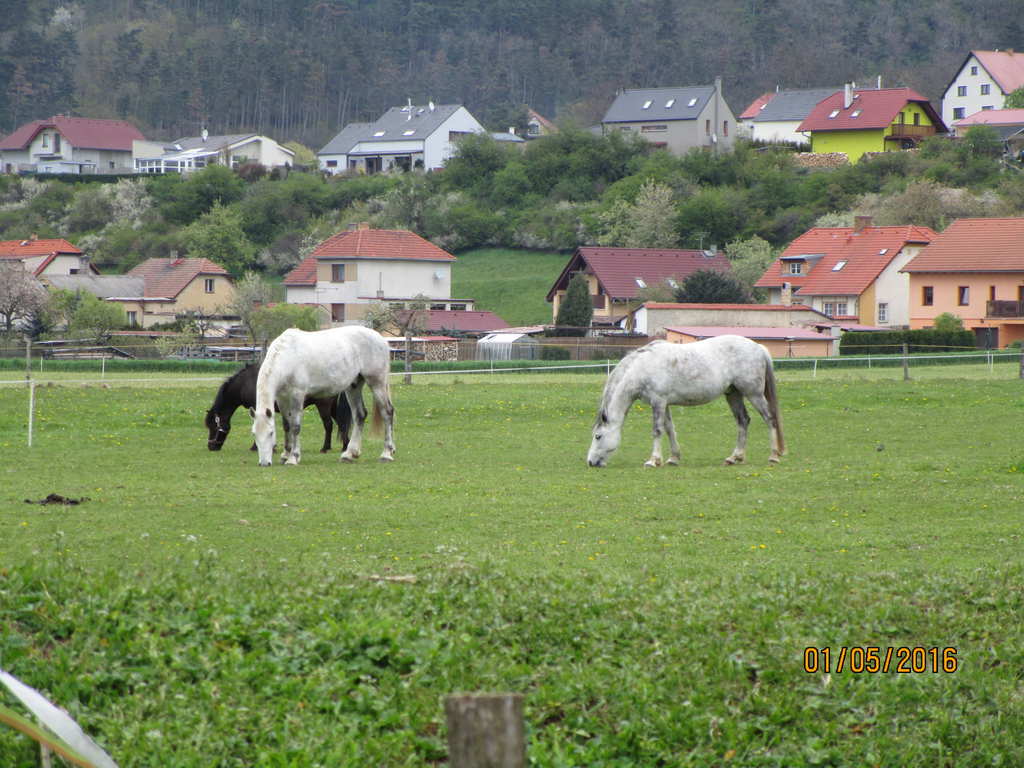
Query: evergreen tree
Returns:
{"type": "Point", "coordinates": [706, 286]}
{"type": "Point", "coordinates": [576, 309]}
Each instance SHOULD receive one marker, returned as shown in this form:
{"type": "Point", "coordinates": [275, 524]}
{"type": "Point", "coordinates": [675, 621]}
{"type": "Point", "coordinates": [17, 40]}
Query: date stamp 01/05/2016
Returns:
{"type": "Point", "coordinates": [873, 659]}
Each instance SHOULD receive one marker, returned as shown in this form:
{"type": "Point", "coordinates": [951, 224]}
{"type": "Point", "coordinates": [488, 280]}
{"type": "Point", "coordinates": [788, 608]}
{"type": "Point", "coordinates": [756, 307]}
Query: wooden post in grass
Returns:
{"type": "Point", "coordinates": [906, 364]}
{"type": "Point", "coordinates": [486, 730]}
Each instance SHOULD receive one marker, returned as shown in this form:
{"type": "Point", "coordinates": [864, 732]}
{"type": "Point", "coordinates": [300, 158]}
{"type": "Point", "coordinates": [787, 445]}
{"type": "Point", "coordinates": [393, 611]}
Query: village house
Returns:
{"type": "Point", "coordinates": [974, 270]}
{"type": "Point", "coordinates": [776, 116]}
{"type": "Point", "coordinates": [676, 119]}
{"type": "Point", "coordinates": [353, 270]}
{"type": "Point", "coordinates": [174, 286]}
{"type": "Point", "coordinates": [46, 258]}
{"type": "Point", "coordinates": [402, 139]}
{"type": "Point", "coordinates": [982, 82]}
{"type": "Point", "coordinates": [194, 152]}
{"type": "Point", "coordinates": [852, 274]}
{"type": "Point", "coordinates": [855, 121]}
{"type": "Point", "coordinates": [616, 277]}
{"type": "Point", "coordinates": [63, 144]}
{"type": "Point", "coordinates": [780, 342]}
{"type": "Point", "coordinates": [653, 317]}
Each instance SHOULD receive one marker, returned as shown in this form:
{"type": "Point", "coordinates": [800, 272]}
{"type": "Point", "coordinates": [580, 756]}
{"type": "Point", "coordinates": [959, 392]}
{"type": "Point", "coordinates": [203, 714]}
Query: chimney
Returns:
{"type": "Point", "coordinates": [860, 223]}
{"type": "Point", "coordinates": [879, 82]}
{"type": "Point", "coordinates": [204, 135]}
{"type": "Point", "coordinates": [786, 297]}
{"type": "Point", "coordinates": [847, 95]}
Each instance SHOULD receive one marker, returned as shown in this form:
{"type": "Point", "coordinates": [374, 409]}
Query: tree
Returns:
{"type": "Point", "coordinates": [21, 295]}
{"type": "Point", "coordinates": [576, 309]}
{"type": "Point", "coordinates": [647, 222]}
{"type": "Point", "coordinates": [707, 286]}
{"type": "Point", "coordinates": [218, 236]}
{"type": "Point", "coordinates": [251, 292]}
{"type": "Point", "coordinates": [270, 322]}
{"type": "Point", "coordinates": [749, 260]}
{"type": "Point", "coordinates": [95, 317]}
{"type": "Point", "coordinates": [947, 322]}
{"type": "Point", "coordinates": [1015, 99]}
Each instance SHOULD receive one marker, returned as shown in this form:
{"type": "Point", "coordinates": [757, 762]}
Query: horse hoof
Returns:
{"type": "Point", "coordinates": [387, 458]}
{"type": "Point", "coordinates": [733, 460]}
{"type": "Point", "coordinates": [652, 464]}
{"type": "Point", "coordinates": [348, 459]}
{"type": "Point", "coordinates": [774, 460]}
{"type": "Point", "coordinates": [673, 462]}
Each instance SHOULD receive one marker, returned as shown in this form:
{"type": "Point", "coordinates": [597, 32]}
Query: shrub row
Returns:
{"type": "Point", "coordinates": [888, 342]}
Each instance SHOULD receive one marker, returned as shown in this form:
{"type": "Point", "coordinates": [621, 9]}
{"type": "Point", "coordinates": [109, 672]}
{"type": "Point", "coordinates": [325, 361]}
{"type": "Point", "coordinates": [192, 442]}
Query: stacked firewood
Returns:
{"type": "Point", "coordinates": [820, 159]}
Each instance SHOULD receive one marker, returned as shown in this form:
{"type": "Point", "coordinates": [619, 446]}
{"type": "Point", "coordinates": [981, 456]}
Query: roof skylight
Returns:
{"type": "Point", "coordinates": [691, 102]}
{"type": "Point", "coordinates": [669, 103]}
{"type": "Point", "coordinates": [833, 113]}
{"type": "Point", "coordinates": [409, 133]}
{"type": "Point", "coordinates": [379, 133]}
{"type": "Point", "coordinates": [647, 104]}
{"type": "Point", "coordinates": [855, 113]}
{"type": "Point", "coordinates": [640, 282]}
{"type": "Point", "coordinates": [839, 265]}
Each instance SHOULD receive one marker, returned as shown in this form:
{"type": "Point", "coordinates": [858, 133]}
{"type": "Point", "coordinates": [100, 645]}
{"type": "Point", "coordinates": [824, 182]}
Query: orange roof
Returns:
{"type": "Point", "coordinates": [169, 277]}
{"type": "Point", "coordinates": [974, 245]}
{"type": "Point", "coordinates": [392, 244]}
{"type": "Point", "coordinates": [23, 249]}
{"type": "Point", "coordinates": [80, 132]}
{"type": "Point", "coordinates": [1006, 68]}
{"type": "Point", "coordinates": [994, 117]}
{"type": "Point", "coordinates": [844, 261]}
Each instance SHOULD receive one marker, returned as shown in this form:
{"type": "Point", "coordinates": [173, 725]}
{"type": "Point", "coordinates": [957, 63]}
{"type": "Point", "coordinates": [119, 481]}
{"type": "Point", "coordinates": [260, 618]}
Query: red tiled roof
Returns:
{"type": "Point", "coordinates": [751, 332]}
{"type": "Point", "coordinates": [993, 117]}
{"type": "Point", "coordinates": [22, 249]}
{"type": "Point", "coordinates": [1006, 68]}
{"type": "Point", "coordinates": [367, 244]}
{"type": "Point", "coordinates": [169, 277]}
{"type": "Point", "coordinates": [877, 109]}
{"type": "Point", "coordinates": [80, 132]}
{"type": "Point", "coordinates": [862, 252]}
{"type": "Point", "coordinates": [756, 106]}
{"type": "Point", "coordinates": [617, 269]}
{"type": "Point", "coordinates": [974, 245]}
{"type": "Point", "coordinates": [470, 321]}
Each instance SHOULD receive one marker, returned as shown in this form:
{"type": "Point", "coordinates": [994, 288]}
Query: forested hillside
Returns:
{"type": "Point", "coordinates": [301, 69]}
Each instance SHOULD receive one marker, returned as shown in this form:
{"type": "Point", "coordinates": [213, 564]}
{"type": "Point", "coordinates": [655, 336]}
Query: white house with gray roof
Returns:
{"type": "Point", "coordinates": [678, 119]}
{"type": "Point", "coordinates": [404, 138]}
{"type": "Point", "coordinates": [777, 118]}
{"type": "Point", "coordinates": [194, 152]}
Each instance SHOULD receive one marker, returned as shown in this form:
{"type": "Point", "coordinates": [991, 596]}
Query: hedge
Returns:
{"type": "Point", "coordinates": [889, 342]}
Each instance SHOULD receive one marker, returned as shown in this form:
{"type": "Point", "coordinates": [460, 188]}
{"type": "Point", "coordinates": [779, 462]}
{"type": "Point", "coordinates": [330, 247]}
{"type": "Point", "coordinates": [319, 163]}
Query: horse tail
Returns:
{"type": "Point", "coordinates": [771, 394]}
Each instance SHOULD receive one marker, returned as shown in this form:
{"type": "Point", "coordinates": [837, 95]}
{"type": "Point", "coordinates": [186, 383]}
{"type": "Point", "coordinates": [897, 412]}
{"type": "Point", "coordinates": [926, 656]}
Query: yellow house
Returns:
{"type": "Point", "coordinates": [172, 286]}
{"type": "Point", "coordinates": [858, 121]}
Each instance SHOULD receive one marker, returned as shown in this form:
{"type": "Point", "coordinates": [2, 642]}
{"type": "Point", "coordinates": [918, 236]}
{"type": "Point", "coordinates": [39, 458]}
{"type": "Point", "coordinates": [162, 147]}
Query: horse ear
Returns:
{"type": "Point", "coordinates": [252, 412]}
{"type": "Point", "coordinates": [604, 417]}
{"type": "Point", "coordinates": [270, 414]}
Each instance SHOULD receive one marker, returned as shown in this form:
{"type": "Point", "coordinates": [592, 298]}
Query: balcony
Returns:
{"type": "Point", "coordinates": [906, 131]}
{"type": "Point", "coordinates": [1004, 308]}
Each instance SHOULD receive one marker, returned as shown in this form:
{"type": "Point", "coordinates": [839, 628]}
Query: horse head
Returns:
{"type": "Point", "coordinates": [263, 434]}
{"type": "Point", "coordinates": [219, 426]}
{"type": "Point", "coordinates": [605, 440]}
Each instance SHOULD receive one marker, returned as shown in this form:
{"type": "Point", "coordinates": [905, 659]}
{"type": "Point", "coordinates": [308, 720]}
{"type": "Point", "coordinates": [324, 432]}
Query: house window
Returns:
{"type": "Point", "coordinates": [834, 308]}
{"type": "Point", "coordinates": [991, 293]}
{"type": "Point", "coordinates": [927, 295]}
{"type": "Point", "coordinates": [958, 113]}
{"type": "Point", "coordinates": [796, 267]}
{"type": "Point", "coordinates": [883, 312]}
{"type": "Point", "coordinates": [397, 305]}
{"type": "Point", "coordinates": [917, 118]}
{"type": "Point", "coordinates": [337, 313]}
{"type": "Point", "coordinates": [725, 127]}
{"type": "Point", "coordinates": [653, 128]}
{"type": "Point", "coordinates": [46, 141]}
{"type": "Point", "coordinates": [332, 163]}
{"type": "Point", "coordinates": [337, 273]}
{"type": "Point", "coordinates": [963, 295]}
{"type": "Point", "coordinates": [707, 127]}
{"type": "Point", "coordinates": [987, 107]}
{"type": "Point", "coordinates": [961, 90]}
{"type": "Point", "coordinates": [985, 89]}
{"type": "Point", "coordinates": [974, 70]}
{"type": "Point", "coordinates": [439, 306]}
{"type": "Point", "coordinates": [133, 318]}
{"type": "Point", "coordinates": [458, 307]}
{"type": "Point", "coordinates": [208, 285]}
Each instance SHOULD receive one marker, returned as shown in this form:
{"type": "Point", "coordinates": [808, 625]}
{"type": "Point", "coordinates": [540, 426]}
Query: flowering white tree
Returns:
{"type": "Point", "coordinates": [21, 295]}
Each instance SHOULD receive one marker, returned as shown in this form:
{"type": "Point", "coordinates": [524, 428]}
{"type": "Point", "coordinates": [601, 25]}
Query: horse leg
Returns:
{"type": "Point", "coordinates": [343, 415]}
{"type": "Point", "coordinates": [384, 409]}
{"type": "Point", "coordinates": [293, 455]}
{"type": "Point", "coordinates": [354, 395]}
{"type": "Point", "coordinates": [287, 437]}
{"type": "Point", "coordinates": [323, 407]}
{"type": "Point", "coordinates": [759, 401]}
{"type": "Point", "coordinates": [673, 443]}
{"type": "Point", "coordinates": [658, 410]}
{"type": "Point", "coordinates": [739, 410]}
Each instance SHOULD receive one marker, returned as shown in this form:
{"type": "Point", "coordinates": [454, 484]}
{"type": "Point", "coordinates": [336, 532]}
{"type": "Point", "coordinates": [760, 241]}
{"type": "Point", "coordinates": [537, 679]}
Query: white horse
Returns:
{"type": "Point", "coordinates": [320, 364]}
{"type": "Point", "coordinates": [664, 374]}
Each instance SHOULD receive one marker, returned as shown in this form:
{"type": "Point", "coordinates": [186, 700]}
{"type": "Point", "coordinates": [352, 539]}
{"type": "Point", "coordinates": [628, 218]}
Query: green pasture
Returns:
{"type": "Point", "coordinates": [511, 283]}
{"type": "Point", "coordinates": [196, 609]}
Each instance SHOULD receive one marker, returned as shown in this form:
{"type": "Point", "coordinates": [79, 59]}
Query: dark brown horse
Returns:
{"type": "Point", "coordinates": [240, 390]}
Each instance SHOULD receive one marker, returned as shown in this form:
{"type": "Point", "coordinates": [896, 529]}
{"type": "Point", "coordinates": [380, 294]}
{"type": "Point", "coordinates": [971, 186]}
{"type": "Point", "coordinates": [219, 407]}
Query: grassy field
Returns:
{"type": "Point", "coordinates": [198, 610]}
{"type": "Point", "coordinates": [513, 284]}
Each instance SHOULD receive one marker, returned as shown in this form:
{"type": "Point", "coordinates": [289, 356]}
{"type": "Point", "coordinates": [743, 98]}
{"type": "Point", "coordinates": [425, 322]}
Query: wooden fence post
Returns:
{"type": "Point", "coordinates": [486, 730]}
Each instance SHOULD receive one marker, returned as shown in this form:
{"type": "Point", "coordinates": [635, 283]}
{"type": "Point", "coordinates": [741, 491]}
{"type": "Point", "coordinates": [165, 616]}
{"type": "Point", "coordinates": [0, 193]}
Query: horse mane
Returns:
{"type": "Point", "coordinates": [611, 386]}
{"type": "Point", "coordinates": [228, 384]}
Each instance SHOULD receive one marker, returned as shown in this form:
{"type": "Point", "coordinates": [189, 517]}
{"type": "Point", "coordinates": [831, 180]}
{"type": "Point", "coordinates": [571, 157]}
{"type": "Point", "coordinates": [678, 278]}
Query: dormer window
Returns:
{"type": "Point", "coordinates": [796, 267]}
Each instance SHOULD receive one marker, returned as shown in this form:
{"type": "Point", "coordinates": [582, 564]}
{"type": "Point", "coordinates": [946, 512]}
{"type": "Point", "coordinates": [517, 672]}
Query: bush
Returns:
{"type": "Point", "coordinates": [554, 353]}
{"type": "Point", "coordinates": [891, 342]}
